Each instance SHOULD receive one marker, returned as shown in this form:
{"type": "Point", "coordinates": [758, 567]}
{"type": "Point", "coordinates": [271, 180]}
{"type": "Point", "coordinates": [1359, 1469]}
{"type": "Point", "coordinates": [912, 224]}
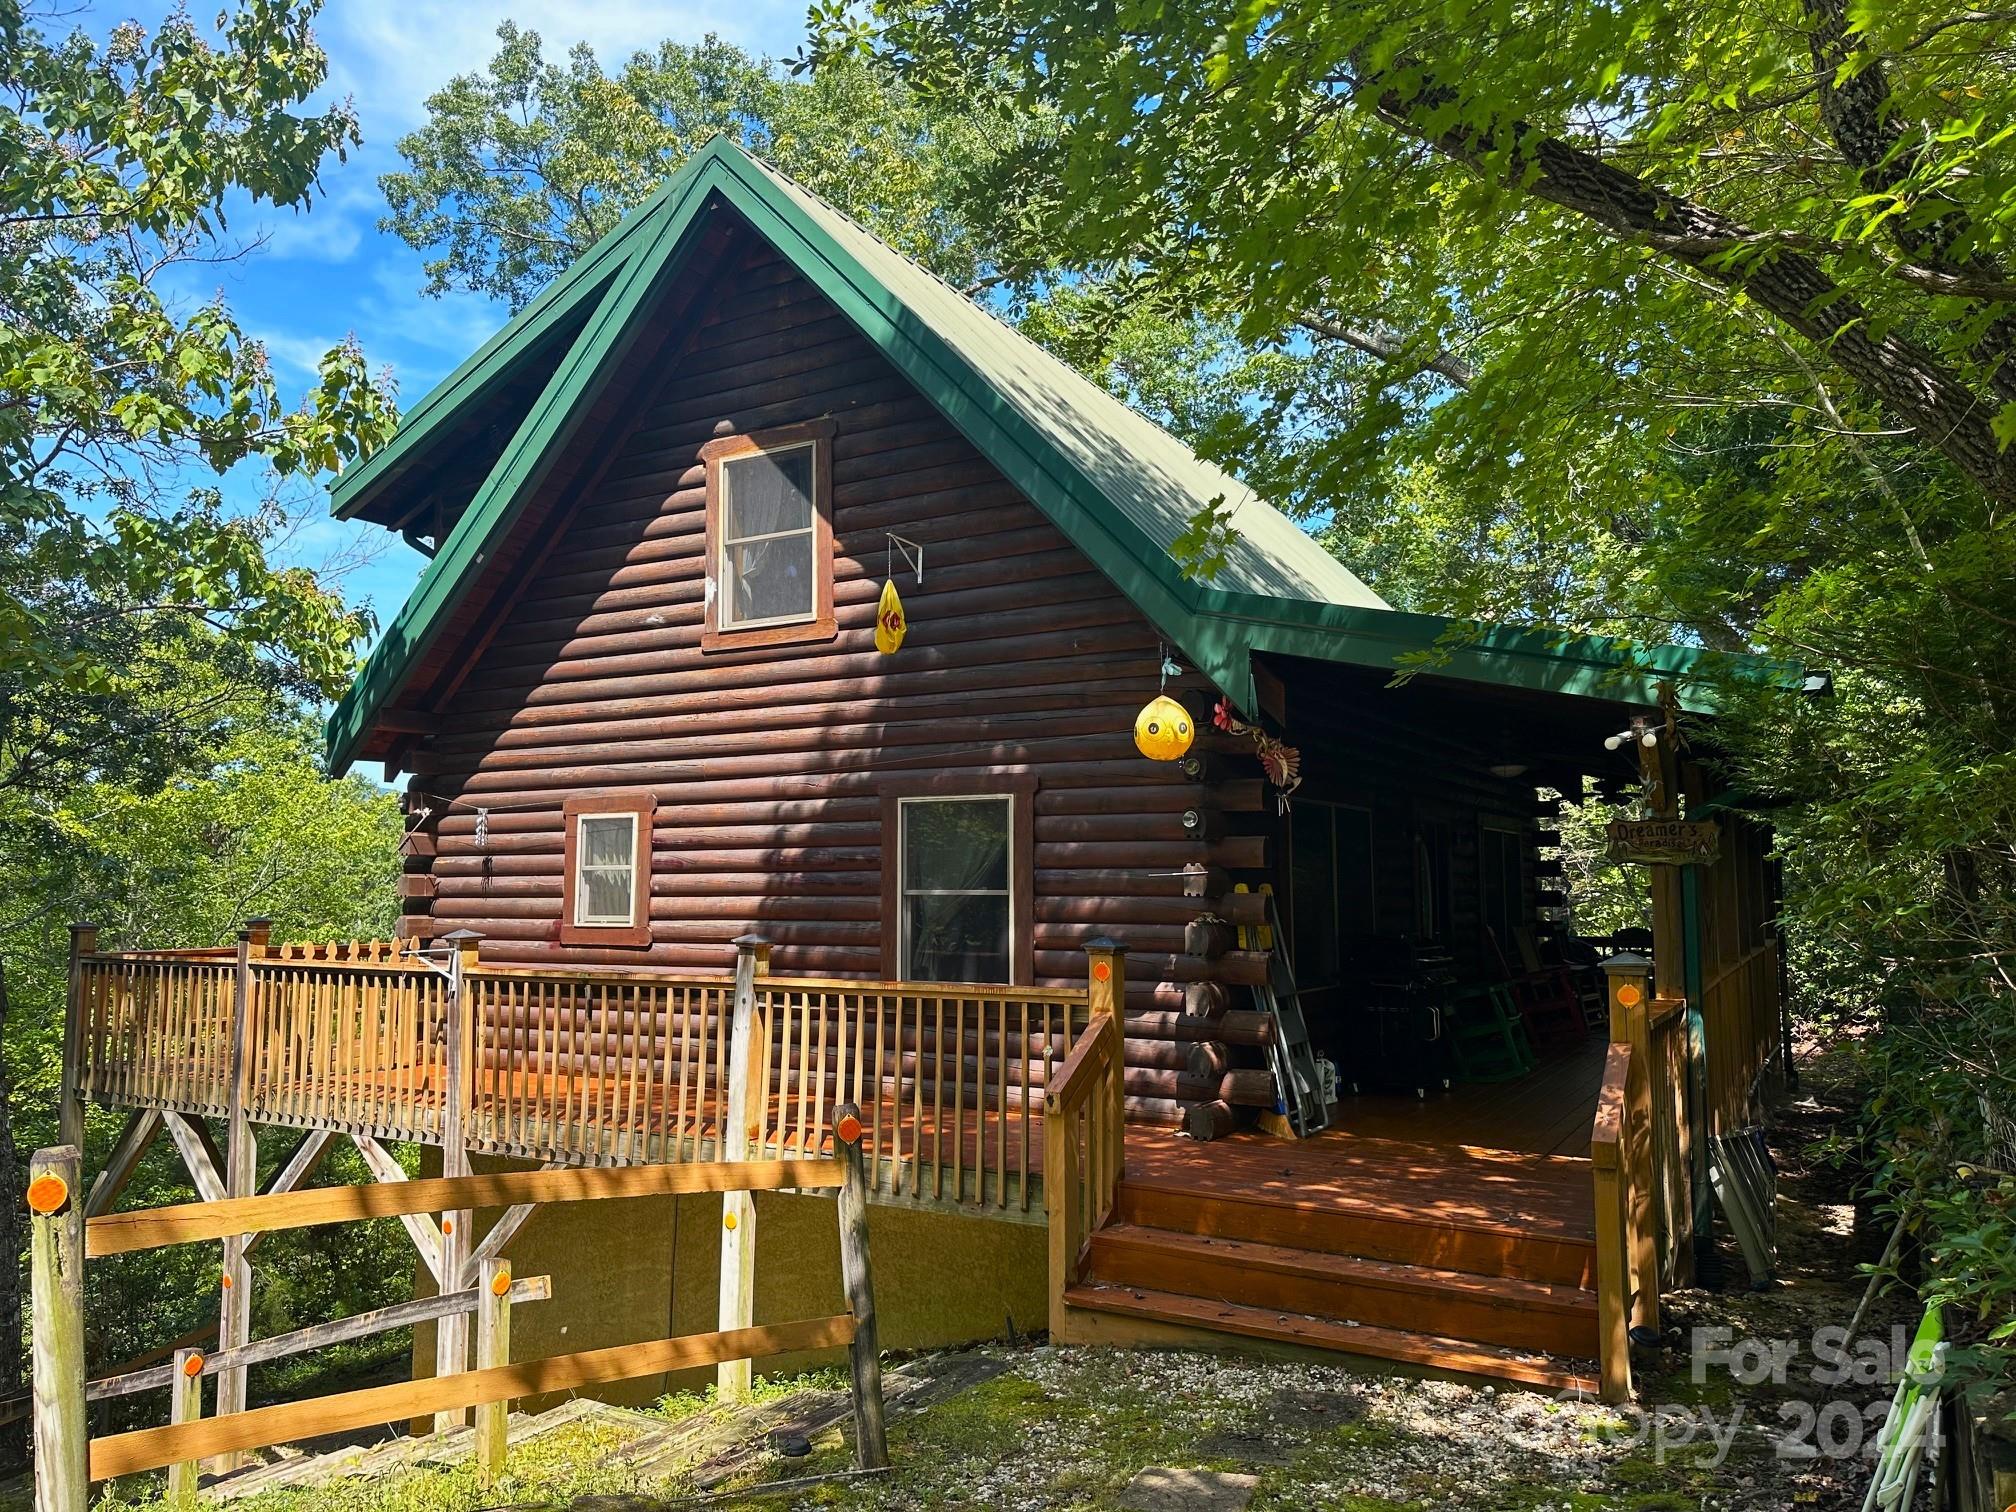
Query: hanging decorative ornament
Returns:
{"type": "Point", "coordinates": [1163, 730]}
{"type": "Point", "coordinates": [1280, 761]}
{"type": "Point", "coordinates": [890, 624]}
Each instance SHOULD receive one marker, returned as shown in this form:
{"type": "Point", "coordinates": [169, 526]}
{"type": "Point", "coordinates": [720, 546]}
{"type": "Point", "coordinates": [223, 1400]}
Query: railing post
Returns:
{"type": "Point", "coordinates": [56, 1295]}
{"type": "Point", "coordinates": [493, 1348]}
{"type": "Point", "coordinates": [1645, 1160]}
{"type": "Point", "coordinates": [70, 1112]}
{"type": "Point", "coordinates": [451, 1335]}
{"type": "Point", "coordinates": [241, 1179]}
{"type": "Point", "coordinates": [1613, 1278]}
{"type": "Point", "coordinates": [738, 1209]}
{"type": "Point", "coordinates": [1106, 992]}
{"type": "Point", "coordinates": [871, 1446]}
{"type": "Point", "coordinates": [185, 1405]}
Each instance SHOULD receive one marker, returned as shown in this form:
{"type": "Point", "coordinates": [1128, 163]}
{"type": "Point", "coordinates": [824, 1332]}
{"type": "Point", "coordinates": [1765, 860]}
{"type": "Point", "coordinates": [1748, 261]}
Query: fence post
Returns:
{"type": "Point", "coordinates": [185, 1405]}
{"type": "Point", "coordinates": [241, 1179]}
{"type": "Point", "coordinates": [70, 1112]}
{"type": "Point", "coordinates": [1106, 992]}
{"type": "Point", "coordinates": [871, 1444]}
{"type": "Point", "coordinates": [493, 1348]}
{"type": "Point", "coordinates": [738, 1209]}
{"type": "Point", "coordinates": [56, 1295]}
{"type": "Point", "coordinates": [451, 1334]}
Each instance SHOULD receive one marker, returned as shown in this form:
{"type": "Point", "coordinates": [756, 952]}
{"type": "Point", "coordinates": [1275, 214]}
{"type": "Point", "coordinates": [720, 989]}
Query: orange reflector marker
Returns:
{"type": "Point", "coordinates": [500, 1283]}
{"type": "Point", "coordinates": [193, 1366]}
{"type": "Point", "coordinates": [849, 1128]}
{"type": "Point", "coordinates": [1101, 971]}
{"type": "Point", "coordinates": [227, 1282]}
{"type": "Point", "coordinates": [1630, 995]}
{"type": "Point", "coordinates": [728, 1221]}
{"type": "Point", "coordinates": [447, 1225]}
{"type": "Point", "coordinates": [47, 1193]}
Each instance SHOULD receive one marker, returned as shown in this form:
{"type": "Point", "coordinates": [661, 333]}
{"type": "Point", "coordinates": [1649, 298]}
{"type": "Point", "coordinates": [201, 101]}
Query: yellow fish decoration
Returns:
{"type": "Point", "coordinates": [1162, 730]}
{"type": "Point", "coordinates": [890, 623]}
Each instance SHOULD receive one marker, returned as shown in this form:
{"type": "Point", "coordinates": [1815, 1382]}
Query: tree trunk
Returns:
{"type": "Point", "coordinates": [13, 1244]}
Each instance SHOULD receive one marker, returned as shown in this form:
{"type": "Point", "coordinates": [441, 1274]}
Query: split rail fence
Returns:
{"type": "Point", "coordinates": [68, 1459]}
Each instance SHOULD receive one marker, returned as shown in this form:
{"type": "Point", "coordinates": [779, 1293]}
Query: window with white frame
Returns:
{"type": "Point", "coordinates": [768, 545]}
{"type": "Point", "coordinates": [605, 871]}
{"type": "Point", "coordinates": [955, 886]}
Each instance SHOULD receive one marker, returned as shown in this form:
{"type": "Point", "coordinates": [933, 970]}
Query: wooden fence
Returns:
{"type": "Point", "coordinates": [584, 1066]}
{"type": "Point", "coordinates": [67, 1459]}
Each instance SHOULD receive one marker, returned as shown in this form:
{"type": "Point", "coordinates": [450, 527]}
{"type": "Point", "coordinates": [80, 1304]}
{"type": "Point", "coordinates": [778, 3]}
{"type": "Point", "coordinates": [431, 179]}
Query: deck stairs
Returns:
{"type": "Point", "coordinates": [1476, 1288]}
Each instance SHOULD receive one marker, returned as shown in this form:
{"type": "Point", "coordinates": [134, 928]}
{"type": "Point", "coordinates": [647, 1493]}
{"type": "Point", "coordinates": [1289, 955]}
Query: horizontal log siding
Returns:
{"type": "Point", "coordinates": [768, 763]}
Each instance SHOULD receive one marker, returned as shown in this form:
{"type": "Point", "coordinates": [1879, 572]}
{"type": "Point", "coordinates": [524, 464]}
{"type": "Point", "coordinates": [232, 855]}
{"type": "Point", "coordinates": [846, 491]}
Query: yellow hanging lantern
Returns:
{"type": "Point", "coordinates": [1163, 731]}
{"type": "Point", "coordinates": [890, 624]}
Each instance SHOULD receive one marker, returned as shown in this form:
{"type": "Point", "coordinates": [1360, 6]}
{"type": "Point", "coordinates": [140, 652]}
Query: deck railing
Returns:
{"type": "Point", "coordinates": [1084, 1132]}
{"type": "Point", "coordinates": [583, 1066]}
{"type": "Point", "coordinates": [1641, 1165]}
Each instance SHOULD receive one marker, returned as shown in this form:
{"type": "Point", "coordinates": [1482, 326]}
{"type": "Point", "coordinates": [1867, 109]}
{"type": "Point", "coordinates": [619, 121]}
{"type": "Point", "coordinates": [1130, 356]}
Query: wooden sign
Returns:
{"type": "Point", "coordinates": [1665, 842]}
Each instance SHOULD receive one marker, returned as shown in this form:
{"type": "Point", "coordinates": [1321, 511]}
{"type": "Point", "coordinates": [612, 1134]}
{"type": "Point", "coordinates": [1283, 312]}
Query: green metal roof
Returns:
{"type": "Point", "coordinates": [1117, 485]}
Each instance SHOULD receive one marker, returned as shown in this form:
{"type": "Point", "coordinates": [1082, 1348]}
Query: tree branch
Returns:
{"type": "Point", "coordinates": [1913, 382]}
{"type": "Point", "coordinates": [1389, 347]}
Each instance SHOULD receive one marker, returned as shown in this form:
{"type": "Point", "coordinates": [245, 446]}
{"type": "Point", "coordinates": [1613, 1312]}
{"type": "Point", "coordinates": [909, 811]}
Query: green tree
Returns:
{"type": "Point", "coordinates": [117, 163]}
{"type": "Point", "coordinates": [521, 167]}
{"type": "Point", "coordinates": [1675, 321]}
{"type": "Point", "coordinates": [254, 829]}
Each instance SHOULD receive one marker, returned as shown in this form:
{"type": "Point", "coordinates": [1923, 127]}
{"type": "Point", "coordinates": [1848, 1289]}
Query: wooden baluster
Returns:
{"type": "Point", "coordinates": [895, 1098]}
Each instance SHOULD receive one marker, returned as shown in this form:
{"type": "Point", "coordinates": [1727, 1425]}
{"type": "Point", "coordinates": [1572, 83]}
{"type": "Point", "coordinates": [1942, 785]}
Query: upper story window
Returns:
{"type": "Point", "coordinates": [606, 885]}
{"type": "Point", "coordinates": [769, 538]}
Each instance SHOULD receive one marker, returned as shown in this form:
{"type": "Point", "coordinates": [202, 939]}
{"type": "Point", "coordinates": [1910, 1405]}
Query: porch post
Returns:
{"type": "Point", "coordinates": [241, 1179]}
{"type": "Point", "coordinates": [1106, 992]}
{"type": "Point", "coordinates": [70, 1110]}
{"type": "Point", "coordinates": [737, 1303]}
{"type": "Point", "coordinates": [451, 1334]}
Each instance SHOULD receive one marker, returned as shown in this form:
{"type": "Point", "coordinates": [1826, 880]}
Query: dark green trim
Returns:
{"type": "Point", "coordinates": [567, 395]}
{"type": "Point", "coordinates": [1218, 630]}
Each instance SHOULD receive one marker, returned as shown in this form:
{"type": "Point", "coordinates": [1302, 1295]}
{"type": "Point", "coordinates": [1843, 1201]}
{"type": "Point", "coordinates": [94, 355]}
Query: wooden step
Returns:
{"type": "Point", "coordinates": [1456, 1356]}
{"type": "Point", "coordinates": [1515, 1314]}
{"type": "Point", "coordinates": [1373, 1232]}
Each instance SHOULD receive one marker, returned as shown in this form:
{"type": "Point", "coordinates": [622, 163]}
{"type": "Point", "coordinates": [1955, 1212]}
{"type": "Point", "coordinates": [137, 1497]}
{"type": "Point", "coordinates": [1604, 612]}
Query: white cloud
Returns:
{"type": "Point", "coordinates": [391, 54]}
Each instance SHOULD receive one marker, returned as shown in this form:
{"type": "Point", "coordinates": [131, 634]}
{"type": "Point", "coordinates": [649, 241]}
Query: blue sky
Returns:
{"type": "Point", "coordinates": [330, 272]}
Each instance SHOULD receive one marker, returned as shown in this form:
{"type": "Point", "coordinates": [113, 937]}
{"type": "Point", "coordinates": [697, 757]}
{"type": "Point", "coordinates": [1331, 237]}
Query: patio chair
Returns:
{"type": "Point", "coordinates": [1546, 998]}
{"type": "Point", "coordinates": [1584, 981]}
{"type": "Point", "coordinates": [1487, 1035]}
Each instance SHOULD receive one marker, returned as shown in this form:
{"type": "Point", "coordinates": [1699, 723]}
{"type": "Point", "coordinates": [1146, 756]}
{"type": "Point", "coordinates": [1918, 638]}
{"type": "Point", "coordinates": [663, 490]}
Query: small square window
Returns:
{"type": "Point", "coordinates": [606, 866]}
{"type": "Point", "coordinates": [606, 885]}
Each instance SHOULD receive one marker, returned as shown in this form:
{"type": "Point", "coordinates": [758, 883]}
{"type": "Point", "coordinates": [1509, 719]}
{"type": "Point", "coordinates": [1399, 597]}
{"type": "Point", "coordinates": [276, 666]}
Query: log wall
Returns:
{"type": "Point", "coordinates": [768, 764]}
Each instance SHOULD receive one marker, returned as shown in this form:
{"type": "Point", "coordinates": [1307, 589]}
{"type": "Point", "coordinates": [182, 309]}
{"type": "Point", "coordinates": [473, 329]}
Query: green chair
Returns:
{"type": "Point", "coordinates": [1487, 1035]}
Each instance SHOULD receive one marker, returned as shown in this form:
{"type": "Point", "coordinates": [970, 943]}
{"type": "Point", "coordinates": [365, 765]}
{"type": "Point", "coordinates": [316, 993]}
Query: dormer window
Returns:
{"type": "Point", "coordinates": [769, 538]}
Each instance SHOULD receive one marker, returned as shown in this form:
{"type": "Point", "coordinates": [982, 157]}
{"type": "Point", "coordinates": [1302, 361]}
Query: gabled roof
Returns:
{"type": "Point", "coordinates": [1118, 486]}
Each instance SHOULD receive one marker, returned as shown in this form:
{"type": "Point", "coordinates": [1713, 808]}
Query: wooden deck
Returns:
{"type": "Point", "coordinates": [1548, 1112]}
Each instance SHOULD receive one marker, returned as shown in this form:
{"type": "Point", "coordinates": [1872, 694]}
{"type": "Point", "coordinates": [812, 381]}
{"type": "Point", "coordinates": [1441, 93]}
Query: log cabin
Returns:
{"type": "Point", "coordinates": [1285, 1037]}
